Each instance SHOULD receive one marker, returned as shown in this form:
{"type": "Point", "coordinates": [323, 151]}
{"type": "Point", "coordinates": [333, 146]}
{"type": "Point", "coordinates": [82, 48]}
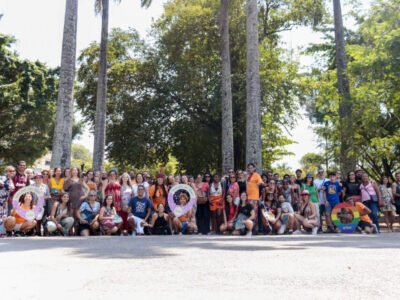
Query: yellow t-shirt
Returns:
{"type": "Point", "coordinates": [252, 187]}
{"type": "Point", "coordinates": [55, 186]}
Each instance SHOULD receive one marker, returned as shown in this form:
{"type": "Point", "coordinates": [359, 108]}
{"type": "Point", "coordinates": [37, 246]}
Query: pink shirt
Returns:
{"type": "Point", "coordinates": [367, 191]}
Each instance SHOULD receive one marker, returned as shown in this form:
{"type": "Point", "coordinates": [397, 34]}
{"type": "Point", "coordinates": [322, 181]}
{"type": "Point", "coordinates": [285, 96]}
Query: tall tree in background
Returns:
{"type": "Point", "coordinates": [347, 156]}
{"type": "Point", "coordinates": [61, 155]}
{"type": "Point", "coordinates": [102, 6]}
{"type": "Point", "coordinates": [226, 89]}
{"type": "Point", "coordinates": [253, 107]}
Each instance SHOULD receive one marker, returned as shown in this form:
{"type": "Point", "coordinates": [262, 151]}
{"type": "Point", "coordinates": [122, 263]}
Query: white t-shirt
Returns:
{"type": "Point", "coordinates": [319, 183]}
{"type": "Point", "coordinates": [135, 189]}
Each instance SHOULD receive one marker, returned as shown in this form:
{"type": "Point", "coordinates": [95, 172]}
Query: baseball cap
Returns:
{"type": "Point", "coordinates": [305, 192]}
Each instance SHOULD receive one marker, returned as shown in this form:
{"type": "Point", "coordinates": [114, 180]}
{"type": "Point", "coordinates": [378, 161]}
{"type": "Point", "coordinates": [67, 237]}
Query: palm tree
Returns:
{"type": "Point", "coordinates": [227, 122]}
{"type": "Point", "coordinates": [347, 158]}
{"type": "Point", "coordinates": [102, 6]}
{"type": "Point", "coordinates": [61, 152]}
{"type": "Point", "coordinates": [253, 111]}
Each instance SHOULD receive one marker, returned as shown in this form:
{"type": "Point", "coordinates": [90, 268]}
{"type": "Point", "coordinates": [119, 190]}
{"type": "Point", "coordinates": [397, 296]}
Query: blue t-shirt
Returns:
{"type": "Point", "coordinates": [332, 191]}
{"type": "Point", "coordinates": [139, 206]}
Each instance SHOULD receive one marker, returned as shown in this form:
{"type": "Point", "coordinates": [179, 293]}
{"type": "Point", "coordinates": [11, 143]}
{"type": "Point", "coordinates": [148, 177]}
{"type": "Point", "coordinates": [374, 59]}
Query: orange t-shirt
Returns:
{"type": "Point", "coordinates": [184, 218]}
{"type": "Point", "coordinates": [157, 197]}
{"type": "Point", "coordinates": [360, 208]}
{"type": "Point", "coordinates": [252, 187]}
{"type": "Point", "coordinates": [18, 218]}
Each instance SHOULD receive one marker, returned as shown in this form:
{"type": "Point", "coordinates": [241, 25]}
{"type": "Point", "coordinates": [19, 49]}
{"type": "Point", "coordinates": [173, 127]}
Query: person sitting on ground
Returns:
{"type": "Point", "coordinates": [159, 222]}
{"type": "Point", "coordinates": [110, 222]}
{"type": "Point", "coordinates": [270, 214]}
{"type": "Point", "coordinates": [88, 215]}
{"type": "Point", "coordinates": [19, 224]}
{"type": "Point", "coordinates": [61, 216]}
{"type": "Point", "coordinates": [139, 211]}
{"type": "Point", "coordinates": [229, 214]}
{"type": "Point", "coordinates": [287, 215]}
{"type": "Point", "coordinates": [245, 220]}
{"type": "Point", "coordinates": [365, 224]}
{"type": "Point", "coordinates": [307, 215]}
{"type": "Point", "coordinates": [185, 223]}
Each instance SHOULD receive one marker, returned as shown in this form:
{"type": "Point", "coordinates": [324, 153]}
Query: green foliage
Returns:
{"type": "Point", "coordinates": [28, 93]}
{"type": "Point", "coordinates": [81, 155]}
{"type": "Point", "coordinates": [164, 98]}
{"type": "Point", "coordinates": [311, 162]}
{"type": "Point", "coordinates": [374, 69]}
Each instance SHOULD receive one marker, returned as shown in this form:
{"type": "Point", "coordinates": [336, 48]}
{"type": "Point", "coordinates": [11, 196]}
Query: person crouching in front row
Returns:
{"type": "Point", "coordinates": [185, 223]}
{"type": "Point", "coordinates": [139, 212]}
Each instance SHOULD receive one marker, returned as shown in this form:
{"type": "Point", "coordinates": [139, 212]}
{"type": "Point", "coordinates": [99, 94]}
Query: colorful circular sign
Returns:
{"type": "Point", "coordinates": [179, 210]}
{"type": "Point", "coordinates": [346, 217]}
{"type": "Point", "coordinates": [29, 215]}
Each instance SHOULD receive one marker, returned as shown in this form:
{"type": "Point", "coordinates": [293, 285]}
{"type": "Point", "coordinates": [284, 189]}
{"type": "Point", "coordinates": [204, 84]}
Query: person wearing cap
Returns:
{"type": "Point", "coordinates": [139, 211]}
{"type": "Point", "coordinates": [38, 182]}
{"type": "Point", "coordinates": [307, 215]}
{"type": "Point", "coordinates": [312, 189]}
{"type": "Point", "coordinates": [332, 190]}
{"type": "Point", "coordinates": [88, 214]}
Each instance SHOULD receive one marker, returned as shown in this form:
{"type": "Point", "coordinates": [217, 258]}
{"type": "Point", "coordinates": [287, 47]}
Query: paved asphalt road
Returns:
{"type": "Point", "coordinates": [195, 267]}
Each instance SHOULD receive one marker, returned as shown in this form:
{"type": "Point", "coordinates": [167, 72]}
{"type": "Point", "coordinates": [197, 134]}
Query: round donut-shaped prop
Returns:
{"type": "Point", "coordinates": [29, 215]}
{"type": "Point", "coordinates": [177, 209]}
{"type": "Point", "coordinates": [343, 211]}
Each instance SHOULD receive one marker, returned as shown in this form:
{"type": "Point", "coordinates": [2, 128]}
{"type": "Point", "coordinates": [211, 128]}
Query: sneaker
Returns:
{"type": "Point", "coordinates": [249, 233]}
{"type": "Point", "coordinates": [282, 229]}
{"type": "Point", "coordinates": [314, 231]}
{"type": "Point", "coordinates": [9, 234]}
{"type": "Point", "coordinates": [290, 231]}
{"type": "Point", "coordinates": [297, 232]}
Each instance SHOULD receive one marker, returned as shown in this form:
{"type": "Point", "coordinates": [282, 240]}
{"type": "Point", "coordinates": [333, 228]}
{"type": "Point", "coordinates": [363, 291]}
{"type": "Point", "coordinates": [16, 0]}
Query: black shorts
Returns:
{"type": "Point", "coordinates": [397, 208]}
{"type": "Point", "coordinates": [364, 225]}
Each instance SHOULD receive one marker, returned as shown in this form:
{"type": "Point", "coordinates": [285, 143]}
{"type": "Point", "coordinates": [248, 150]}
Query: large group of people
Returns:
{"type": "Point", "coordinates": [242, 202]}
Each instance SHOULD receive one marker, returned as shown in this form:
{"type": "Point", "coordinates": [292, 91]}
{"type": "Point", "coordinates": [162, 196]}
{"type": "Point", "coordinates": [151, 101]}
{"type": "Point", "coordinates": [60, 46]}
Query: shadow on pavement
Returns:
{"type": "Point", "coordinates": [156, 247]}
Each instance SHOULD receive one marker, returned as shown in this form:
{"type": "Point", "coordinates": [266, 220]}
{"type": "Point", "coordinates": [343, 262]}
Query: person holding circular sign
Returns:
{"type": "Point", "coordinates": [307, 214]}
{"type": "Point", "coordinates": [185, 223]}
{"type": "Point", "coordinates": [365, 223]}
{"type": "Point", "coordinates": [61, 216]}
{"type": "Point", "coordinates": [245, 220]}
{"type": "Point", "coordinates": [87, 215]}
{"type": "Point", "coordinates": [21, 225]}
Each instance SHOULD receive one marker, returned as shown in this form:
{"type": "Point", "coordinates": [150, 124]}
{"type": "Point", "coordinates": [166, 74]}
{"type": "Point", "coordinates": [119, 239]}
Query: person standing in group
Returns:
{"type": "Point", "coordinates": [319, 184]}
{"type": "Point", "coordinates": [67, 174]}
{"type": "Point", "coordinates": [351, 187]}
{"type": "Point", "coordinates": [253, 183]}
{"type": "Point", "coordinates": [241, 180]}
{"type": "Point", "coordinates": [140, 210]}
{"type": "Point", "coordinates": [159, 192]}
{"type": "Point", "coordinates": [299, 177]}
{"type": "Point", "coordinates": [295, 193]}
{"type": "Point", "coordinates": [73, 186]}
{"type": "Point", "coordinates": [57, 183]}
{"type": "Point", "coordinates": [20, 180]}
{"type": "Point", "coordinates": [92, 185]}
{"type": "Point", "coordinates": [140, 181]}
{"type": "Point", "coordinates": [8, 188]}
{"type": "Point", "coordinates": [233, 189]}
{"type": "Point", "coordinates": [126, 196]}
{"type": "Point", "coordinates": [47, 201]}
{"type": "Point", "coordinates": [396, 192]}
{"type": "Point", "coordinates": [216, 204]}
{"type": "Point", "coordinates": [113, 188]}
{"type": "Point", "coordinates": [332, 190]}
{"type": "Point", "coordinates": [201, 189]}
{"type": "Point", "coordinates": [371, 198]}
{"type": "Point", "coordinates": [388, 207]}
{"type": "Point", "coordinates": [61, 216]}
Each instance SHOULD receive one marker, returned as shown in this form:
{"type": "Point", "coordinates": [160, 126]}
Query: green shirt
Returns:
{"type": "Point", "coordinates": [312, 190]}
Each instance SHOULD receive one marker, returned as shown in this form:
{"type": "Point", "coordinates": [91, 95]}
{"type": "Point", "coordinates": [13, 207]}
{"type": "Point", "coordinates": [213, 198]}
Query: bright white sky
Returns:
{"type": "Point", "coordinates": [38, 27]}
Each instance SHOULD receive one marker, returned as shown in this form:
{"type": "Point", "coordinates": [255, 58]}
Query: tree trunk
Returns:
{"type": "Point", "coordinates": [62, 139]}
{"type": "Point", "coordinates": [347, 156]}
{"type": "Point", "coordinates": [253, 112]}
{"type": "Point", "coordinates": [101, 106]}
{"type": "Point", "coordinates": [227, 120]}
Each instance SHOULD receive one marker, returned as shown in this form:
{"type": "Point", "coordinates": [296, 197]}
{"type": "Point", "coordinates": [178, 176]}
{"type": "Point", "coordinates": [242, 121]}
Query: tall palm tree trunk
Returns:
{"type": "Point", "coordinates": [101, 105]}
{"type": "Point", "coordinates": [253, 110]}
{"type": "Point", "coordinates": [227, 120]}
{"type": "Point", "coordinates": [62, 139]}
{"type": "Point", "coordinates": [347, 156]}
